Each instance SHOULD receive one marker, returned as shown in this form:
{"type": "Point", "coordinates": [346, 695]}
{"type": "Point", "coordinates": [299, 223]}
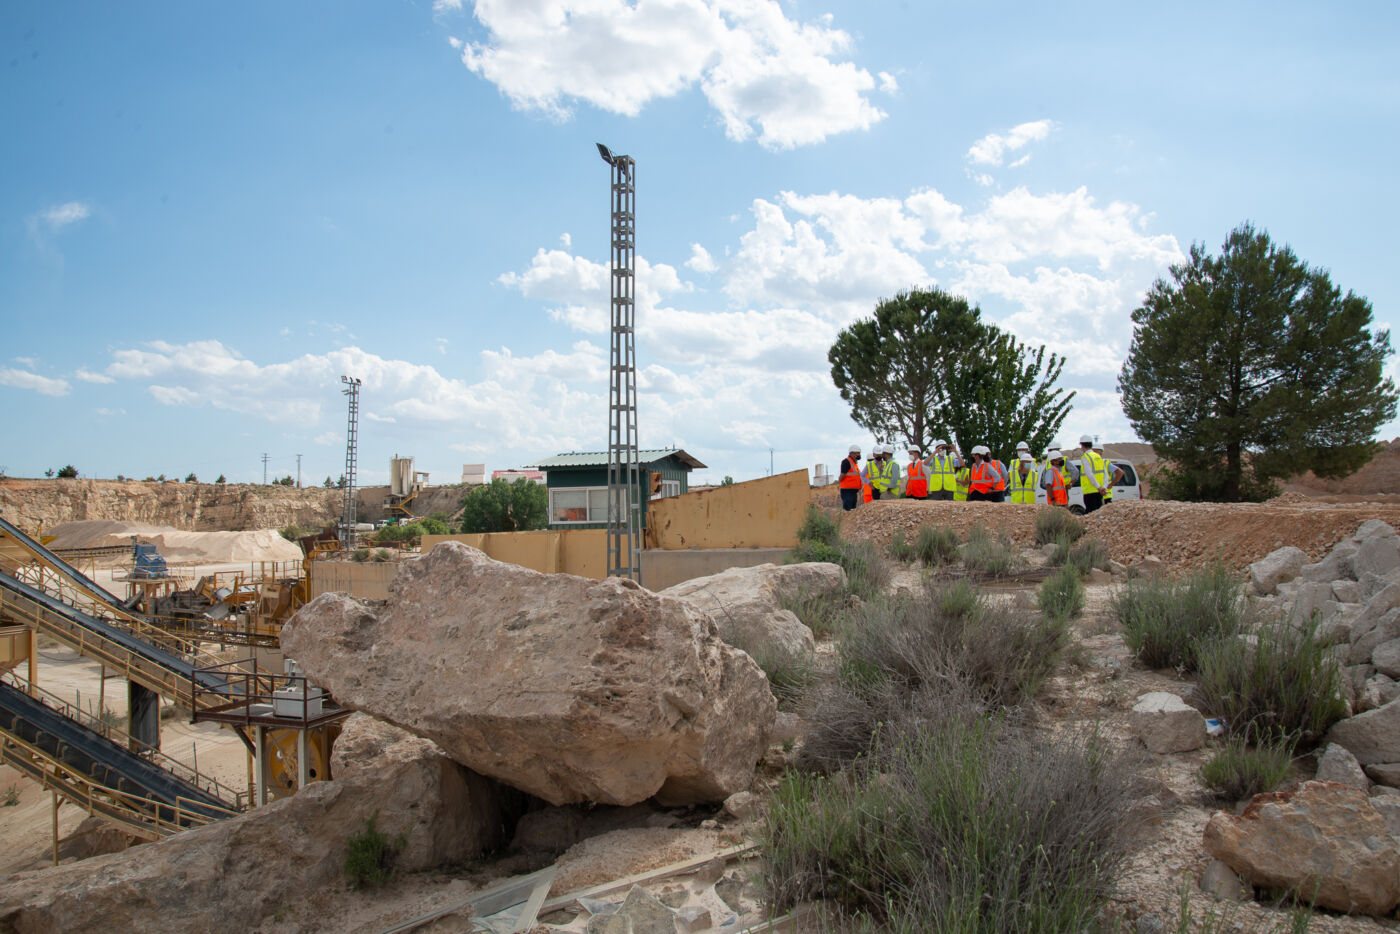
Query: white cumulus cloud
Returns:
{"type": "Point", "coordinates": [762, 72]}
{"type": "Point", "coordinates": [23, 379]}
{"type": "Point", "coordinates": [992, 148]}
{"type": "Point", "coordinates": [700, 259]}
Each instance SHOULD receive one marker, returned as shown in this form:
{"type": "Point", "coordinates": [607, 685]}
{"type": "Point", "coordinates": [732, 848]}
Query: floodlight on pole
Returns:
{"type": "Point", "coordinates": [605, 152]}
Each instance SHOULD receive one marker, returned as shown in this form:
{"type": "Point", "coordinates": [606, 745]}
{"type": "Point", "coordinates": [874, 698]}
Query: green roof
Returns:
{"type": "Point", "coordinates": [600, 459]}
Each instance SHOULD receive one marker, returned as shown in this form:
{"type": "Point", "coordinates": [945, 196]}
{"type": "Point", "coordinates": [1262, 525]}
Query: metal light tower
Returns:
{"type": "Point", "coordinates": [624, 471]}
{"type": "Point", "coordinates": [347, 521]}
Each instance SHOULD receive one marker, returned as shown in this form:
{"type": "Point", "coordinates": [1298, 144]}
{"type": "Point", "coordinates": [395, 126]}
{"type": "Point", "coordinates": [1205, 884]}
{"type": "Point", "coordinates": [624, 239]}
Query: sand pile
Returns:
{"type": "Point", "coordinates": [176, 546]}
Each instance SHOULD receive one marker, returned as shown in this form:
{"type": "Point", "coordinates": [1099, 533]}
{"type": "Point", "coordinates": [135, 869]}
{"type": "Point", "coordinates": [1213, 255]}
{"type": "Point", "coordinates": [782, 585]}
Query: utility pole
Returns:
{"type": "Point", "coordinates": [770, 462]}
{"type": "Point", "coordinates": [264, 469]}
{"type": "Point", "coordinates": [624, 471]}
{"type": "Point", "coordinates": [347, 519]}
{"type": "Point", "coordinates": [298, 471]}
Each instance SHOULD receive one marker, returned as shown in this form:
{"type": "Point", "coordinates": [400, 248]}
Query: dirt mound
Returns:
{"type": "Point", "coordinates": [1181, 534]}
{"type": "Point", "coordinates": [177, 546]}
{"type": "Point", "coordinates": [1381, 475]}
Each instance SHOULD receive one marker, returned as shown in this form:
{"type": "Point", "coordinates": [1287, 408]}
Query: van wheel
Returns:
{"type": "Point", "coordinates": [1077, 509]}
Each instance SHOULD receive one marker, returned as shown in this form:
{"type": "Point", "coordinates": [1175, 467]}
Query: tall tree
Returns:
{"type": "Point", "coordinates": [505, 506]}
{"type": "Point", "coordinates": [925, 367]}
{"type": "Point", "coordinates": [1252, 366]}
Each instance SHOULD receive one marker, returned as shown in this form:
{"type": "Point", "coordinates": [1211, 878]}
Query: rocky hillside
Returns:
{"type": "Point", "coordinates": [191, 507]}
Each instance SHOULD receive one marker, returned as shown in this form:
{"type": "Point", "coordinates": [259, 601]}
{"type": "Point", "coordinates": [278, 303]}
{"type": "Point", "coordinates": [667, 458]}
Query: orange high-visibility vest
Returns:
{"type": "Point", "coordinates": [983, 478]}
{"type": "Point", "coordinates": [1059, 490]}
{"type": "Point", "coordinates": [918, 479]}
{"type": "Point", "coordinates": [867, 493]}
{"type": "Point", "coordinates": [1001, 476]}
{"type": "Point", "coordinates": [850, 475]}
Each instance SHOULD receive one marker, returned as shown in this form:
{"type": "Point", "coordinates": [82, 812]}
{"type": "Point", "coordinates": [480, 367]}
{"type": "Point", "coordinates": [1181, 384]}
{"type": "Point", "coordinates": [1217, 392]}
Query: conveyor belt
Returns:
{"type": "Point", "coordinates": [40, 738]}
{"type": "Point", "coordinates": [79, 579]}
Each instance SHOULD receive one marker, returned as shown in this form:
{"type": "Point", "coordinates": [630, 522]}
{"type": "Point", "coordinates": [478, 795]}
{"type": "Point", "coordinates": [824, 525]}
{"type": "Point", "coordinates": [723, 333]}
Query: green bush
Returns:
{"type": "Point", "coordinates": [963, 824]}
{"type": "Point", "coordinates": [1086, 554]}
{"type": "Point", "coordinates": [360, 554]}
{"type": "Point", "coordinates": [814, 551]}
{"type": "Point", "coordinates": [992, 557]}
{"type": "Point", "coordinates": [867, 571]}
{"type": "Point", "coordinates": [370, 856]}
{"type": "Point", "coordinates": [1283, 684]}
{"type": "Point", "coordinates": [292, 531]}
{"type": "Point", "coordinates": [902, 655]}
{"type": "Point", "coordinates": [1053, 523]}
{"type": "Point", "coordinates": [1061, 596]}
{"type": "Point", "coordinates": [382, 554]}
{"type": "Point", "coordinates": [1238, 771]}
{"type": "Point", "coordinates": [900, 548]}
{"type": "Point", "coordinates": [819, 526]}
{"type": "Point", "coordinates": [787, 679]}
{"type": "Point", "coordinates": [936, 545]}
{"type": "Point", "coordinates": [824, 615]}
{"type": "Point", "coordinates": [1166, 622]}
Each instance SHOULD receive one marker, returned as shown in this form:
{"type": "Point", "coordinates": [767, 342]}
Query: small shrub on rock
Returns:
{"type": "Point", "coordinates": [1053, 523]}
{"type": "Point", "coordinates": [1061, 596]}
{"type": "Point", "coordinates": [1283, 683]}
{"type": "Point", "coordinates": [822, 614]}
{"type": "Point", "coordinates": [813, 551]}
{"type": "Point", "coordinates": [818, 526]}
{"type": "Point", "coordinates": [867, 571]}
{"type": "Point", "coordinates": [370, 856]}
{"type": "Point", "coordinates": [1240, 771]}
{"type": "Point", "coordinates": [1166, 622]}
{"type": "Point", "coordinates": [936, 545]}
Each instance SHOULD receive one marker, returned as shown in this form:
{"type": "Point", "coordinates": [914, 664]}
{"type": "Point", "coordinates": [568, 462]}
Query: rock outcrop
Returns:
{"type": "Point", "coordinates": [1277, 566]}
{"type": "Point", "coordinates": [567, 688]}
{"type": "Point", "coordinates": [232, 874]}
{"type": "Point", "coordinates": [747, 606]}
{"type": "Point", "coordinates": [1323, 842]}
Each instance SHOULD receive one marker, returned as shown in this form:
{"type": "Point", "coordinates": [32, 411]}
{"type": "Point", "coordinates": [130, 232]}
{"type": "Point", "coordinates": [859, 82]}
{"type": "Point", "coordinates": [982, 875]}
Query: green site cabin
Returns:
{"type": "Point", "coordinates": [578, 484]}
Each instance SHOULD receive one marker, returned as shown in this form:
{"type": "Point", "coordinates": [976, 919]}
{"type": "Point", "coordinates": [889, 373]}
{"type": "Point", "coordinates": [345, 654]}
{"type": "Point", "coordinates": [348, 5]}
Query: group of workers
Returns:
{"type": "Point", "coordinates": [944, 475]}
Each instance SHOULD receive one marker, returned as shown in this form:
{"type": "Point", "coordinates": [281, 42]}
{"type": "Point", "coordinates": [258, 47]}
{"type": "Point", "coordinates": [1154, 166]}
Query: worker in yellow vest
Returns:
{"type": "Point", "coordinates": [943, 471]}
{"type": "Point", "coordinates": [1112, 474]}
{"type": "Point", "coordinates": [962, 483]}
{"type": "Point", "coordinates": [1025, 477]}
{"type": "Point", "coordinates": [1091, 474]}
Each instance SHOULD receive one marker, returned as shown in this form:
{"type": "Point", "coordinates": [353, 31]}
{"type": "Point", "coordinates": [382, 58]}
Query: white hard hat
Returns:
{"type": "Point", "coordinates": [1085, 439]}
{"type": "Point", "coordinates": [981, 449]}
{"type": "Point", "coordinates": [1023, 446]}
{"type": "Point", "coordinates": [1052, 454]}
{"type": "Point", "coordinates": [1026, 456]}
{"type": "Point", "coordinates": [941, 444]}
{"type": "Point", "coordinates": [914, 447]}
{"type": "Point", "coordinates": [855, 449]}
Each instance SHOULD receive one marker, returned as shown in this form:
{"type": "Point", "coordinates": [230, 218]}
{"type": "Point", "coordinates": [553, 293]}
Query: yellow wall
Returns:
{"type": "Point", "coordinates": [368, 580]}
{"type": "Point", "coordinates": [763, 513]}
{"type": "Point", "coordinates": [571, 551]}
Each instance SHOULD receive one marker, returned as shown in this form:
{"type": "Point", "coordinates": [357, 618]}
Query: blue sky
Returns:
{"type": "Point", "coordinates": [211, 212]}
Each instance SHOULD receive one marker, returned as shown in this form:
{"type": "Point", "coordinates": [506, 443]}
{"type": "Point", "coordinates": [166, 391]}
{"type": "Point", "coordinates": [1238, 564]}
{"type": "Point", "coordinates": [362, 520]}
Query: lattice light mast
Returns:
{"type": "Point", "coordinates": [352, 432]}
{"type": "Point", "coordinates": [624, 471]}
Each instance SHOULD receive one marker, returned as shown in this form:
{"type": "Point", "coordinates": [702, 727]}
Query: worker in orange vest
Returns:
{"type": "Point", "coordinates": [984, 477]}
{"type": "Point", "coordinates": [1055, 479]}
{"type": "Point", "coordinates": [850, 480]}
{"type": "Point", "coordinates": [916, 476]}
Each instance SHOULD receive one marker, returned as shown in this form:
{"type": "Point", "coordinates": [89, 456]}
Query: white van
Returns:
{"type": "Point", "coordinates": [1127, 487]}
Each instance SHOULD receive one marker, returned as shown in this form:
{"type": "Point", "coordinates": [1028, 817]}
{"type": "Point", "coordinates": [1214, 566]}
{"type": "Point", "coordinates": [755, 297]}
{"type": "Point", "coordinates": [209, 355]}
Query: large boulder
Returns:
{"type": "Point", "coordinates": [233, 874]}
{"type": "Point", "coordinates": [567, 688]}
{"type": "Point", "coordinates": [1322, 842]}
{"type": "Point", "coordinates": [1373, 736]}
{"type": "Point", "coordinates": [1281, 564]}
{"type": "Point", "coordinates": [1378, 550]}
{"type": "Point", "coordinates": [747, 607]}
{"type": "Point", "coordinates": [1338, 765]}
{"type": "Point", "coordinates": [1165, 723]}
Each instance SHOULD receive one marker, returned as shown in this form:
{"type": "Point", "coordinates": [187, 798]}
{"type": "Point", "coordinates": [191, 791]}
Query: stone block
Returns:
{"type": "Point", "coordinates": [1166, 724]}
{"type": "Point", "coordinates": [1282, 564]}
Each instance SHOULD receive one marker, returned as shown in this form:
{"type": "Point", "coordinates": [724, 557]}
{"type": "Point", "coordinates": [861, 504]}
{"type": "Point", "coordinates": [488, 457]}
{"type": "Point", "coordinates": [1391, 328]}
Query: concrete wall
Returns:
{"type": "Point", "coordinates": [763, 513]}
{"type": "Point", "coordinates": [662, 569]}
{"type": "Point", "coordinates": [368, 580]}
{"type": "Point", "coordinates": [571, 551]}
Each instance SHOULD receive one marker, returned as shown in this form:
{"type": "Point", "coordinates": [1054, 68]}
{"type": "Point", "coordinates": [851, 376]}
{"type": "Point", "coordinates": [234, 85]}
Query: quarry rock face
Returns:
{"type": "Point", "coordinates": [233, 874]}
{"type": "Point", "coordinates": [746, 605]}
{"type": "Point", "coordinates": [567, 688]}
{"type": "Point", "coordinates": [1323, 842]}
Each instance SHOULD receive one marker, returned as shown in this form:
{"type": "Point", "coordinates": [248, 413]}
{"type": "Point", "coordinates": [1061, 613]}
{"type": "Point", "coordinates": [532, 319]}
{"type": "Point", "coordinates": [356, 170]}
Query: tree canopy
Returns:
{"type": "Point", "coordinates": [926, 367]}
{"type": "Point", "coordinates": [1252, 366]}
{"type": "Point", "coordinates": [505, 506]}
